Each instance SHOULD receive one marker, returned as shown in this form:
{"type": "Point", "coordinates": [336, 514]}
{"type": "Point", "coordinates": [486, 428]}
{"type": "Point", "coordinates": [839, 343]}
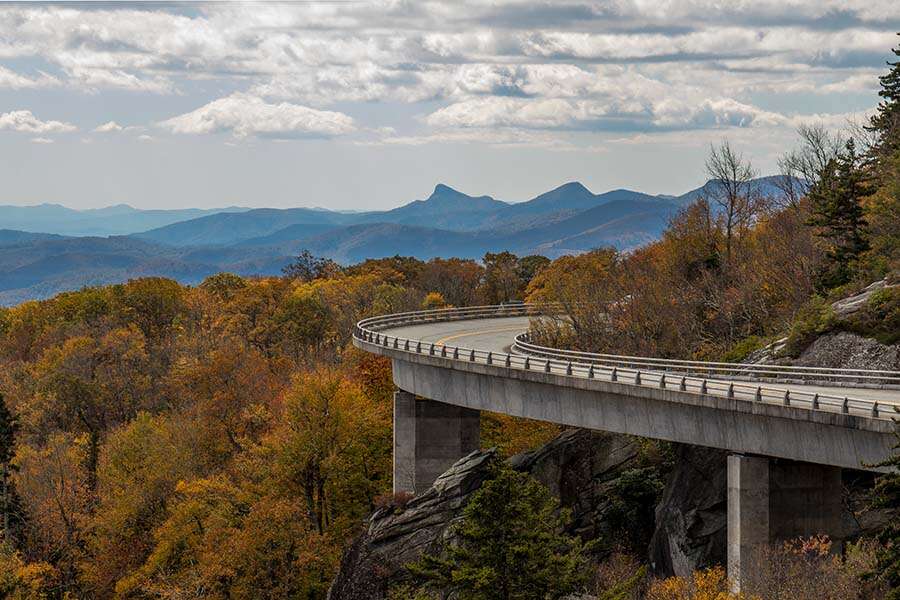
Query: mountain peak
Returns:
{"type": "Point", "coordinates": [573, 186]}
{"type": "Point", "coordinates": [445, 192]}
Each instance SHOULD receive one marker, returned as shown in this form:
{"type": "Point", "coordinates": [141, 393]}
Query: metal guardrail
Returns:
{"type": "Point", "coordinates": [686, 376]}
{"type": "Point", "coordinates": [869, 378]}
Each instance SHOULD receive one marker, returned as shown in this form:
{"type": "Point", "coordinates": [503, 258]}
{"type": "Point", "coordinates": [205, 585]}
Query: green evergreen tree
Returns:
{"type": "Point", "coordinates": [11, 520]}
{"type": "Point", "coordinates": [837, 212]}
{"type": "Point", "coordinates": [885, 123]}
{"type": "Point", "coordinates": [509, 545]}
{"type": "Point", "coordinates": [887, 495]}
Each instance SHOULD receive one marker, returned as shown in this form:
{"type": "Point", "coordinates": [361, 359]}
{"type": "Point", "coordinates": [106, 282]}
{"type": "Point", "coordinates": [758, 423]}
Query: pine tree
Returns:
{"type": "Point", "coordinates": [837, 212]}
{"type": "Point", "coordinates": [10, 505]}
{"type": "Point", "coordinates": [885, 123]}
{"type": "Point", "coordinates": [509, 545]}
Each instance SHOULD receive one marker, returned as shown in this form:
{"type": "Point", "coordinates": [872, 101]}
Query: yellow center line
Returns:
{"type": "Point", "coordinates": [443, 341]}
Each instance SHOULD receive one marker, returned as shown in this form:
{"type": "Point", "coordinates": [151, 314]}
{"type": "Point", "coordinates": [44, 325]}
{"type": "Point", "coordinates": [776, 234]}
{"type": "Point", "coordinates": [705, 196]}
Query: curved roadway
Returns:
{"type": "Point", "coordinates": [498, 334]}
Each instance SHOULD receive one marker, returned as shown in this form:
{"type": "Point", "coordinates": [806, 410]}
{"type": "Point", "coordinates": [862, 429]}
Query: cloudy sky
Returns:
{"type": "Point", "coordinates": [353, 105]}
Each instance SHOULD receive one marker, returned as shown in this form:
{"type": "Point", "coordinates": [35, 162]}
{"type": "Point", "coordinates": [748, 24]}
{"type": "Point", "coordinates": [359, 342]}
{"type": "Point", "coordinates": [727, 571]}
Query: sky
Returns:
{"type": "Point", "coordinates": [368, 105]}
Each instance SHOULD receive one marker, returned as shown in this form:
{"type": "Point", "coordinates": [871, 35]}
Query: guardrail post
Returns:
{"type": "Point", "coordinates": [377, 338]}
{"type": "Point", "coordinates": [527, 363]}
{"type": "Point", "coordinates": [731, 390]}
{"type": "Point", "coordinates": [591, 372]}
{"type": "Point", "coordinates": [614, 376]}
{"type": "Point", "coordinates": [547, 366]}
{"type": "Point", "coordinates": [418, 347]}
{"type": "Point", "coordinates": [875, 410]}
{"type": "Point", "coordinates": [787, 397]}
{"type": "Point", "coordinates": [386, 341]}
{"type": "Point", "coordinates": [758, 395]}
{"type": "Point", "coordinates": [490, 358]}
{"type": "Point", "coordinates": [703, 386]}
{"type": "Point", "coordinates": [815, 401]}
{"type": "Point", "coordinates": [637, 378]}
{"type": "Point", "coordinates": [396, 342]}
{"type": "Point", "coordinates": [431, 350]}
{"type": "Point", "coordinates": [472, 355]}
{"type": "Point", "coordinates": [508, 360]}
{"type": "Point", "coordinates": [682, 385]}
{"type": "Point", "coordinates": [662, 381]}
{"type": "Point", "coordinates": [456, 353]}
{"type": "Point", "coordinates": [845, 407]}
{"type": "Point", "coordinates": [569, 368]}
{"type": "Point", "coordinates": [443, 351]}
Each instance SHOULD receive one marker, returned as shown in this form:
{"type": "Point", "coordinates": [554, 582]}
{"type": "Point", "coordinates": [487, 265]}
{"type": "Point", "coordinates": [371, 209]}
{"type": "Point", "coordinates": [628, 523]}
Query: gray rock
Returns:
{"type": "Point", "coordinates": [691, 517]}
{"type": "Point", "coordinates": [844, 350]}
{"type": "Point", "coordinates": [846, 307]}
{"type": "Point", "coordinates": [578, 466]}
{"type": "Point", "coordinates": [398, 535]}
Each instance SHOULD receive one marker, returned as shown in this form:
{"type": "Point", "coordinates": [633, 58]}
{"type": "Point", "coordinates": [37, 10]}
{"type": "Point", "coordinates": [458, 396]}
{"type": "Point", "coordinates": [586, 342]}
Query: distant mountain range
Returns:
{"type": "Point", "coordinates": [190, 244]}
{"type": "Point", "coordinates": [112, 220]}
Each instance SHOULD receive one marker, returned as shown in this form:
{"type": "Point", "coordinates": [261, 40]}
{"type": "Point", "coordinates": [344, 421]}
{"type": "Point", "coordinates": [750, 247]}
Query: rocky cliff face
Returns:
{"type": "Point", "coordinates": [691, 517]}
{"type": "Point", "coordinates": [398, 535]}
{"type": "Point", "coordinates": [579, 466]}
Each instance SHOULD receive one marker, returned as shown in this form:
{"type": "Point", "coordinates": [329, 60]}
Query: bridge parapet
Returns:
{"type": "Point", "coordinates": [730, 380]}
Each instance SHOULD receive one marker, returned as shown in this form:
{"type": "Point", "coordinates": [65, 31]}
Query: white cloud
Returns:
{"type": "Point", "coordinates": [41, 140]}
{"type": "Point", "coordinates": [602, 114]}
{"type": "Point", "coordinates": [16, 81]}
{"type": "Point", "coordinates": [244, 115]}
{"type": "Point", "coordinates": [145, 138]}
{"type": "Point", "coordinates": [108, 127]}
{"type": "Point", "coordinates": [25, 121]}
{"type": "Point", "coordinates": [472, 64]}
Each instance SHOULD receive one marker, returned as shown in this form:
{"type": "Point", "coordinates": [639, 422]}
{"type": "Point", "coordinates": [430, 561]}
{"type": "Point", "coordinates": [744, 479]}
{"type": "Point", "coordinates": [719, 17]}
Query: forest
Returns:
{"type": "Point", "coordinates": [227, 441]}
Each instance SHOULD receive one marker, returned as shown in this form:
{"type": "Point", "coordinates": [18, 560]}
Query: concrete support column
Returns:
{"type": "Point", "coordinates": [748, 513]}
{"type": "Point", "coordinates": [770, 501]}
{"type": "Point", "coordinates": [429, 437]}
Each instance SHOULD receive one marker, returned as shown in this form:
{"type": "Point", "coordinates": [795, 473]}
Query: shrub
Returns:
{"type": "Point", "coordinates": [809, 569]}
{"type": "Point", "coordinates": [395, 501]}
{"type": "Point", "coordinates": [709, 584]}
{"type": "Point", "coordinates": [813, 319]}
{"type": "Point", "coordinates": [880, 318]}
{"type": "Point", "coordinates": [743, 348]}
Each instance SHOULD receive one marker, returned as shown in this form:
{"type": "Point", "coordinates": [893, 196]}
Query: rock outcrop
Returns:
{"type": "Point", "coordinates": [691, 517]}
{"type": "Point", "coordinates": [398, 534]}
{"type": "Point", "coordinates": [578, 466]}
{"type": "Point", "coordinates": [847, 307]}
{"type": "Point", "coordinates": [844, 350]}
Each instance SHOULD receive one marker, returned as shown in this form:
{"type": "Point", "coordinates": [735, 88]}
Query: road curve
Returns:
{"type": "Point", "coordinates": [498, 335]}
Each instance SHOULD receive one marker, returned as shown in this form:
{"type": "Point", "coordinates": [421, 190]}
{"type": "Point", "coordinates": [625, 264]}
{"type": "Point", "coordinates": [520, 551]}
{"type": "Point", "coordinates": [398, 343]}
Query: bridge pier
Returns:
{"type": "Point", "coordinates": [429, 437]}
{"type": "Point", "coordinates": [770, 501]}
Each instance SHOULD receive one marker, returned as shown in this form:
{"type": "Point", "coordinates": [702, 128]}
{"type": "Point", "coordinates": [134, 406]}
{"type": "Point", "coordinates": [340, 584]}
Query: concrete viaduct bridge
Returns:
{"type": "Point", "coordinates": [789, 430]}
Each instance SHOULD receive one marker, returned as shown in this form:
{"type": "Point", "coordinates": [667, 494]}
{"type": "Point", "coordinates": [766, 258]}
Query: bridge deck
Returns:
{"type": "Point", "coordinates": [498, 334]}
